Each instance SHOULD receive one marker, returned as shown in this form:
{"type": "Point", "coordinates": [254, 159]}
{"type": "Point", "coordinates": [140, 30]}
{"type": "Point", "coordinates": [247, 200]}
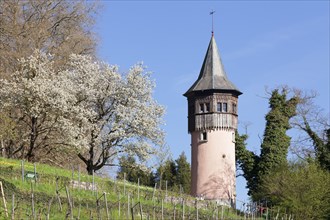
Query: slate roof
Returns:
{"type": "Point", "coordinates": [212, 75]}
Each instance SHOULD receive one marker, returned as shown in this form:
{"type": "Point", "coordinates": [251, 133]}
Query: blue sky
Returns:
{"type": "Point", "coordinates": [263, 44]}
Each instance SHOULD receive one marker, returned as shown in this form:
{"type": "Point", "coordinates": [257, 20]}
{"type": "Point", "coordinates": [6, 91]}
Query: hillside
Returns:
{"type": "Point", "coordinates": [66, 194]}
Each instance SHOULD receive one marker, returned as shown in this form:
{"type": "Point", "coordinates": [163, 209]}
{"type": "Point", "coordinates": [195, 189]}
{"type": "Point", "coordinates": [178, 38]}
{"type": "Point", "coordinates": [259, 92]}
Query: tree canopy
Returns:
{"type": "Point", "coordinates": [87, 108]}
{"type": "Point", "coordinates": [183, 173]}
{"type": "Point", "coordinates": [58, 27]}
{"type": "Point", "coordinates": [275, 144]}
{"type": "Point", "coordinates": [299, 186]}
{"type": "Point", "coordinates": [177, 174]}
{"type": "Point", "coordinates": [130, 171]}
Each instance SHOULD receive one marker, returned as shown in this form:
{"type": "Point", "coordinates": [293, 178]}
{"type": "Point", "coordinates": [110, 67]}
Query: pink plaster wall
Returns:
{"type": "Point", "coordinates": [213, 165]}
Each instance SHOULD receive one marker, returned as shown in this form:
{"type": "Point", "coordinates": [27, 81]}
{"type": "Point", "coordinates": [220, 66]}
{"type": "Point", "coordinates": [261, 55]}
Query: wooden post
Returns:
{"type": "Point", "coordinates": [79, 176]}
{"type": "Point", "coordinates": [13, 207]}
{"type": "Point", "coordinates": [153, 195]}
{"type": "Point", "coordinates": [182, 209]}
{"type": "Point", "coordinates": [3, 199]}
{"type": "Point", "coordinates": [98, 208]}
{"type": "Point", "coordinates": [197, 209]}
{"type": "Point", "coordinates": [3, 152]}
{"type": "Point", "coordinates": [141, 210]}
{"type": "Point", "coordinates": [35, 172]}
{"type": "Point", "coordinates": [119, 205]}
{"type": "Point", "coordinates": [162, 209]}
{"type": "Point", "coordinates": [139, 189]}
{"type": "Point", "coordinates": [72, 176]}
{"type": "Point", "coordinates": [32, 202]}
{"type": "Point", "coordinates": [57, 195]}
{"type": "Point", "coordinates": [106, 205]}
{"type": "Point", "coordinates": [22, 167]}
{"type": "Point", "coordinates": [93, 184]}
{"type": "Point", "coordinates": [166, 188]}
{"type": "Point", "coordinates": [153, 210]}
{"type": "Point", "coordinates": [79, 210]}
{"type": "Point", "coordinates": [124, 183]}
{"type": "Point", "coordinates": [69, 202]}
{"type": "Point", "coordinates": [128, 205]}
{"type": "Point", "coordinates": [48, 210]}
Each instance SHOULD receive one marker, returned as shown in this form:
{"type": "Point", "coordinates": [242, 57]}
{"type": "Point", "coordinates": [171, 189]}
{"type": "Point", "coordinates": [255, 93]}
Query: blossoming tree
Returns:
{"type": "Point", "coordinates": [122, 117]}
{"type": "Point", "coordinates": [42, 111]}
{"type": "Point", "coordinates": [87, 108]}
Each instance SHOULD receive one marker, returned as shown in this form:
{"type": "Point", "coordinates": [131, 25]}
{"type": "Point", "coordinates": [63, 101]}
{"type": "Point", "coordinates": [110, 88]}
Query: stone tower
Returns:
{"type": "Point", "coordinates": [212, 121]}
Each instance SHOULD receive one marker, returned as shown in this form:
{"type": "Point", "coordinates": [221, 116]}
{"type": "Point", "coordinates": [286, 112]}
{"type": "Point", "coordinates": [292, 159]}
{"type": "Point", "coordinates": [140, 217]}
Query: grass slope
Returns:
{"type": "Point", "coordinates": [54, 196]}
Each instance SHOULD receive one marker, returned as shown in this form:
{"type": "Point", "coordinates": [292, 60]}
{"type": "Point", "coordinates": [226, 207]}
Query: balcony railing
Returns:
{"type": "Point", "coordinates": [215, 121]}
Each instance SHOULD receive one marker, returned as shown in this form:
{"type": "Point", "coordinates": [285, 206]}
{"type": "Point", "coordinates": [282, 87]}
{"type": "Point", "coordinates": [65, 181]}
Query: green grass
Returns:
{"type": "Point", "coordinates": [85, 203]}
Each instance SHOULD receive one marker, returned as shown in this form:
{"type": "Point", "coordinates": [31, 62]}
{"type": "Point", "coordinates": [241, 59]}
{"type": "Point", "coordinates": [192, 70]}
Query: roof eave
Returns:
{"type": "Point", "coordinates": [212, 91]}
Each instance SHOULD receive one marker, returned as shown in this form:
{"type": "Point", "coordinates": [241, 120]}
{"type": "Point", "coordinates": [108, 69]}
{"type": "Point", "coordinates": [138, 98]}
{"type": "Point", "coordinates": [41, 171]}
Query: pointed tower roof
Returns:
{"type": "Point", "coordinates": [212, 75]}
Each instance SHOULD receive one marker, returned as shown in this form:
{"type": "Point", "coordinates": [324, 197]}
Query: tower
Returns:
{"type": "Point", "coordinates": [212, 121]}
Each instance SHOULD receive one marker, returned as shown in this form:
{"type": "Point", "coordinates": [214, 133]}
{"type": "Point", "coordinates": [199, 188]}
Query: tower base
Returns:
{"type": "Point", "coordinates": [213, 167]}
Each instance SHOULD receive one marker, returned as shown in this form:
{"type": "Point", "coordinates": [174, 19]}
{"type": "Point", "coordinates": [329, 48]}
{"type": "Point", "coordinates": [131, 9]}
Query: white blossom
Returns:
{"type": "Point", "coordinates": [86, 105]}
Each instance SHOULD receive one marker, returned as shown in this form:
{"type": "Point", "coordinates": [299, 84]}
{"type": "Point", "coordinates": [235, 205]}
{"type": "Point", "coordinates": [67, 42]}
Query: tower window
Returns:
{"type": "Point", "coordinates": [201, 107]}
{"type": "Point", "coordinates": [203, 136]}
{"type": "Point", "coordinates": [204, 107]}
{"type": "Point", "coordinates": [234, 108]}
{"type": "Point", "coordinates": [219, 107]}
{"type": "Point", "coordinates": [222, 107]}
{"type": "Point", "coordinates": [207, 107]}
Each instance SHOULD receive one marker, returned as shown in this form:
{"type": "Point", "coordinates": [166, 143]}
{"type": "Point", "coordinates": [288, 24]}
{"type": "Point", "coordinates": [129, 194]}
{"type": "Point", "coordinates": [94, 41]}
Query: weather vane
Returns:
{"type": "Point", "coordinates": [211, 13]}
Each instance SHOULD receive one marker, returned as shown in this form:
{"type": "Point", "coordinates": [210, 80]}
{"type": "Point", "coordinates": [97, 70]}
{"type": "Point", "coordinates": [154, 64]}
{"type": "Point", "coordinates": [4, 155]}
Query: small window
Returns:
{"type": "Point", "coordinates": [233, 137]}
{"type": "Point", "coordinates": [224, 107]}
{"type": "Point", "coordinates": [203, 136]}
{"type": "Point", "coordinates": [219, 107]}
{"type": "Point", "coordinates": [201, 108]}
{"type": "Point", "coordinates": [234, 108]}
{"type": "Point", "coordinates": [207, 107]}
{"type": "Point", "coordinates": [204, 107]}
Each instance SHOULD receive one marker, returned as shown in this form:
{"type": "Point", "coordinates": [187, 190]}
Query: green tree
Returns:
{"type": "Point", "coordinates": [275, 144]}
{"type": "Point", "coordinates": [302, 189]}
{"type": "Point", "coordinates": [183, 173]}
{"type": "Point", "coordinates": [132, 172]}
{"type": "Point", "coordinates": [246, 161]}
{"type": "Point", "coordinates": [176, 173]}
{"type": "Point", "coordinates": [167, 172]}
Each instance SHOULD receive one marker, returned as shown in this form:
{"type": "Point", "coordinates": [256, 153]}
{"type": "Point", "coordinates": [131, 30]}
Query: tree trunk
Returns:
{"type": "Point", "coordinates": [33, 136]}
{"type": "Point", "coordinates": [90, 167]}
{"type": "Point", "coordinates": [3, 150]}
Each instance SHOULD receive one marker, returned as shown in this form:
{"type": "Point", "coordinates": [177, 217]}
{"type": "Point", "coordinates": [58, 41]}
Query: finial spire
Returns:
{"type": "Point", "coordinates": [211, 13]}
